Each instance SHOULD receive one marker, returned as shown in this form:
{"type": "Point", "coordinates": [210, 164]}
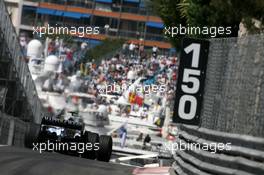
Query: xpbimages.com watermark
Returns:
{"type": "Point", "coordinates": [195, 30]}
{"type": "Point", "coordinates": [210, 147]}
{"type": "Point", "coordinates": [64, 30]}
{"type": "Point", "coordinates": [59, 146]}
{"type": "Point", "coordinates": [117, 88]}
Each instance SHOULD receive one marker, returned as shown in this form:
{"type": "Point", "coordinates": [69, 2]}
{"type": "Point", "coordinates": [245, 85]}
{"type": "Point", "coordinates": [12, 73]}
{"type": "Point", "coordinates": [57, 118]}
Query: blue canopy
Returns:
{"type": "Point", "coordinates": [142, 4]}
{"type": "Point", "coordinates": [25, 7]}
{"type": "Point", "coordinates": [95, 42]}
{"type": "Point", "coordinates": [72, 15]}
{"type": "Point", "coordinates": [59, 13]}
{"type": "Point", "coordinates": [86, 15]}
{"type": "Point", "coordinates": [155, 24]}
{"type": "Point", "coordinates": [104, 1]}
{"type": "Point", "coordinates": [133, 1]}
{"type": "Point", "coordinates": [46, 11]}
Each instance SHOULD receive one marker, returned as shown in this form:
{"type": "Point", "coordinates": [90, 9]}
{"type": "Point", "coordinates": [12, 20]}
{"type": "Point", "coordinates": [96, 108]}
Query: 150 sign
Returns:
{"type": "Point", "coordinates": [190, 84]}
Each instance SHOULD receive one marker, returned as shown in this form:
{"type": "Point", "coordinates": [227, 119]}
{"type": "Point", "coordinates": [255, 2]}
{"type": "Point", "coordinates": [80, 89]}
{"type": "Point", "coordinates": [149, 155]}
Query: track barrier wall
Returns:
{"type": "Point", "coordinates": [12, 130]}
{"type": "Point", "coordinates": [232, 112]}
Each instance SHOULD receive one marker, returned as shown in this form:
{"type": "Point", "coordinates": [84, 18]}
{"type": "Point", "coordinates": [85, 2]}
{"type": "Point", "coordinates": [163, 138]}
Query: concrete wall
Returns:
{"type": "Point", "coordinates": [11, 52]}
{"type": "Point", "coordinates": [15, 8]}
{"type": "Point", "coordinates": [12, 130]}
{"type": "Point", "coordinates": [234, 91]}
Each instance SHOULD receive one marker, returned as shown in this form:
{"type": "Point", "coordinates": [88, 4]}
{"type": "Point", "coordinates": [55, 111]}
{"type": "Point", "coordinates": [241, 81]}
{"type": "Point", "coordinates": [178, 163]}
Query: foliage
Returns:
{"type": "Point", "coordinates": [108, 46]}
{"type": "Point", "coordinates": [210, 13]}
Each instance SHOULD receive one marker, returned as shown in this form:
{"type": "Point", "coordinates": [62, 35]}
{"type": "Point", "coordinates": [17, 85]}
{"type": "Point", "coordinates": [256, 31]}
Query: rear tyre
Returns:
{"type": "Point", "coordinates": [105, 148]}
{"type": "Point", "coordinates": [31, 135]}
{"type": "Point", "coordinates": [90, 138]}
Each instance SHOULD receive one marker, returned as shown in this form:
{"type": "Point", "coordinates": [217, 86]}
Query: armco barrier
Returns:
{"type": "Point", "coordinates": [232, 112]}
{"type": "Point", "coordinates": [12, 130]}
{"type": "Point", "coordinates": [246, 155]}
{"type": "Point", "coordinates": [13, 50]}
{"type": "Point", "coordinates": [234, 91]}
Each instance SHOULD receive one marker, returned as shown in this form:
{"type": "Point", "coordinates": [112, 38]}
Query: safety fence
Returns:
{"type": "Point", "coordinates": [245, 155]}
{"type": "Point", "coordinates": [12, 130]}
{"type": "Point", "coordinates": [232, 113]}
{"type": "Point", "coordinates": [234, 86]}
{"type": "Point", "coordinates": [14, 53]}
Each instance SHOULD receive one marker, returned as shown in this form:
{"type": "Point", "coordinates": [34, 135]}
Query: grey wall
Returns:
{"type": "Point", "coordinates": [234, 90]}
{"type": "Point", "coordinates": [12, 130]}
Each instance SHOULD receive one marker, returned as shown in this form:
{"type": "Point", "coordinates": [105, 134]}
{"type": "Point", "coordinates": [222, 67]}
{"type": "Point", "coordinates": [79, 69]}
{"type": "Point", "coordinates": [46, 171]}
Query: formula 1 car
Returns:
{"type": "Point", "coordinates": [68, 137]}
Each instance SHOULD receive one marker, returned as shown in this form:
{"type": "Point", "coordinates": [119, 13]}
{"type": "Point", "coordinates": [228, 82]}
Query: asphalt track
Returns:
{"type": "Point", "coordinates": [21, 161]}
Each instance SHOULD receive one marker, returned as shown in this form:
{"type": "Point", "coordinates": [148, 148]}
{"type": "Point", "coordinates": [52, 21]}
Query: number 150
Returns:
{"type": "Point", "coordinates": [190, 77]}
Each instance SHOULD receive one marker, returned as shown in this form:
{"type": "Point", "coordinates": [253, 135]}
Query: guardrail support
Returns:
{"type": "Point", "coordinates": [11, 132]}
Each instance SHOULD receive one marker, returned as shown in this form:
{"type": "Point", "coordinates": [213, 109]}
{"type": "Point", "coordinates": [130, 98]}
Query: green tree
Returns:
{"type": "Point", "coordinates": [106, 49]}
{"type": "Point", "coordinates": [210, 13]}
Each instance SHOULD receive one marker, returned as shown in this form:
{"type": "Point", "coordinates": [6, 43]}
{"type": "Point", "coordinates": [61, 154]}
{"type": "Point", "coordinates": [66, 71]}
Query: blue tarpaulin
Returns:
{"type": "Point", "coordinates": [92, 42]}
{"type": "Point", "coordinates": [133, 1]}
{"type": "Point", "coordinates": [95, 41]}
{"type": "Point", "coordinates": [72, 15]}
{"type": "Point", "coordinates": [58, 13]}
{"type": "Point", "coordinates": [25, 7]}
{"type": "Point", "coordinates": [46, 11]}
{"type": "Point", "coordinates": [142, 4]}
{"type": "Point", "coordinates": [86, 15]}
{"type": "Point", "coordinates": [61, 13]}
{"type": "Point", "coordinates": [155, 24]}
{"type": "Point", "coordinates": [104, 1]}
{"type": "Point", "coordinates": [150, 81]}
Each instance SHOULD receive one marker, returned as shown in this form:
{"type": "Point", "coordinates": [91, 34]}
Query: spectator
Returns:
{"type": "Point", "coordinates": [154, 51]}
{"type": "Point", "coordinates": [123, 135]}
{"type": "Point", "coordinates": [60, 83]}
{"type": "Point", "coordinates": [76, 82]}
{"type": "Point", "coordinates": [48, 85]}
{"type": "Point", "coordinates": [147, 139]}
{"type": "Point", "coordinates": [125, 49]}
{"type": "Point", "coordinates": [23, 44]}
{"type": "Point", "coordinates": [140, 137]}
{"type": "Point", "coordinates": [132, 49]}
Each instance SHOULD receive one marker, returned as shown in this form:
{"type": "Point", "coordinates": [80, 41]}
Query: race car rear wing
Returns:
{"type": "Point", "coordinates": [62, 123]}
